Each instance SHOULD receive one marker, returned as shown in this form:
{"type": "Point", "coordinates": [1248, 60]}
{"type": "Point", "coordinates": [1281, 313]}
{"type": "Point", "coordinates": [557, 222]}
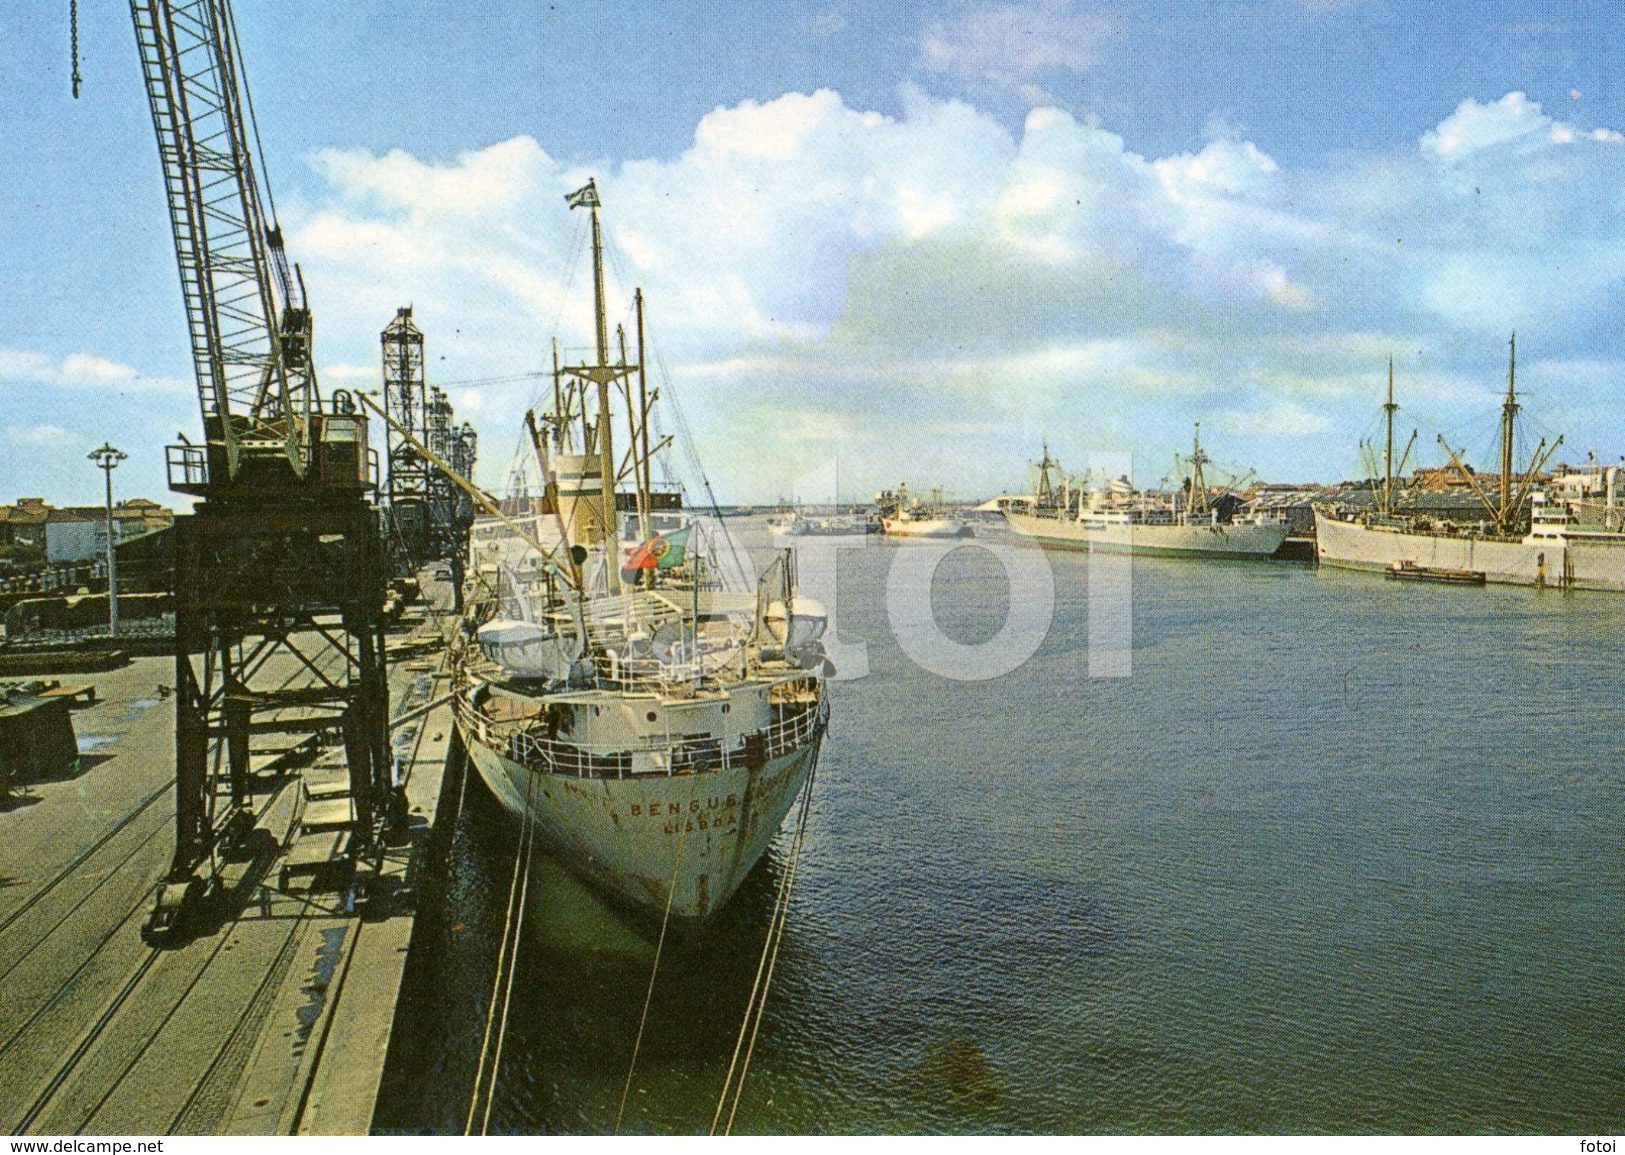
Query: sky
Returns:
{"type": "Point", "coordinates": [916, 240]}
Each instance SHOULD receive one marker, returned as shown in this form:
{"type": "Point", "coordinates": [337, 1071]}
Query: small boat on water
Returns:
{"type": "Point", "coordinates": [1409, 571]}
{"type": "Point", "coordinates": [793, 524]}
{"type": "Point", "coordinates": [905, 516]}
{"type": "Point", "coordinates": [908, 523]}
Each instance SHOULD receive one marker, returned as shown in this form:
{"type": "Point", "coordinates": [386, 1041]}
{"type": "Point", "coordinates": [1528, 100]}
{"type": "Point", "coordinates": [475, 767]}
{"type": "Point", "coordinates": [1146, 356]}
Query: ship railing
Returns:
{"type": "Point", "coordinates": [632, 672]}
{"type": "Point", "coordinates": [795, 730]}
{"type": "Point", "coordinates": [523, 742]}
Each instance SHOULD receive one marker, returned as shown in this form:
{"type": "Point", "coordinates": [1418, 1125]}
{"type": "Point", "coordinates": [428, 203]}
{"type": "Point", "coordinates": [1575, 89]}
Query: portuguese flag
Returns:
{"type": "Point", "coordinates": [659, 552]}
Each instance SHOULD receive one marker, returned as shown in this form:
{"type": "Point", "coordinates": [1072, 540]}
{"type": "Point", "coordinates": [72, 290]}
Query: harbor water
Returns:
{"type": "Point", "coordinates": [1339, 856]}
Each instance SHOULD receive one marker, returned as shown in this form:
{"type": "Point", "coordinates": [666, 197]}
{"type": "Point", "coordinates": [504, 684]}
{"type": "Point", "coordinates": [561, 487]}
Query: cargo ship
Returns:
{"type": "Point", "coordinates": [1189, 522]}
{"type": "Point", "coordinates": [1530, 533]}
{"type": "Point", "coordinates": [654, 724]}
{"type": "Point", "coordinates": [905, 516]}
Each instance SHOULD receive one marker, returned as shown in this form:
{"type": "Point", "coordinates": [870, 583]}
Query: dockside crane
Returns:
{"type": "Point", "coordinates": [279, 571]}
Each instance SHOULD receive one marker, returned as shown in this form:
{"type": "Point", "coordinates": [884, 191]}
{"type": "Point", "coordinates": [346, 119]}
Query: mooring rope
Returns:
{"type": "Point", "coordinates": [757, 1002]}
{"type": "Point", "coordinates": [755, 989]}
{"type": "Point", "coordinates": [682, 835]}
{"type": "Point", "coordinates": [778, 940]}
{"type": "Point", "coordinates": [507, 995]}
{"type": "Point", "coordinates": [506, 956]}
{"type": "Point", "coordinates": [750, 1004]}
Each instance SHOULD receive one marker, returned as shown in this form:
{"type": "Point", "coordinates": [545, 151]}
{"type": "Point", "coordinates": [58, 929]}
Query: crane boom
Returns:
{"type": "Point", "coordinates": [249, 324]}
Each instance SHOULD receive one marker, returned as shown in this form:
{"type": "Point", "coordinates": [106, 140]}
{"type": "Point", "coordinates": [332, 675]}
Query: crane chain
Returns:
{"type": "Point", "coordinates": [73, 32]}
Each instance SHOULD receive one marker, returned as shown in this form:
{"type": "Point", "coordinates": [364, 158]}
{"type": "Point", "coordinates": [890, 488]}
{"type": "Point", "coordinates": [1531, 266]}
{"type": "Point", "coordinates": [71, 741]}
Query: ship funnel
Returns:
{"type": "Point", "coordinates": [581, 497]}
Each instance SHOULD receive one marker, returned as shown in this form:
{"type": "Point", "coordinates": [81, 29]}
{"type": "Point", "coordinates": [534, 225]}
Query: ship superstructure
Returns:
{"type": "Point", "coordinates": [903, 515]}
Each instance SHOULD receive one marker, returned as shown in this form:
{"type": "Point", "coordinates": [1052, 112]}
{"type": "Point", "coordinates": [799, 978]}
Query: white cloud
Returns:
{"type": "Point", "coordinates": [81, 371]}
{"type": "Point", "coordinates": [1283, 419]}
{"type": "Point", "coordinates": [914, 277]}
{"type": "Point", "coordinates": [746, 232]}
{"type": "Point", "coordinates": [774, 132]}
{"type": "Point", "coordinates": [42, 437]}
{"type": "Point", "coordinates": [350, 376]}
{"type": "Point", "coordinates": [1225, 166]}
{"type": "Point", "coordinates": [481, 180]}
{"type": "Point", "coordinates": [1474, 127]}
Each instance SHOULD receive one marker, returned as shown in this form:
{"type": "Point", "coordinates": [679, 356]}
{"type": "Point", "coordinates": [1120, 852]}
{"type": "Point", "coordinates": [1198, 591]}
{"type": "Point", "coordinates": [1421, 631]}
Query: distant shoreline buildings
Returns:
{"type": "Point", "coordinates": [78, 532]}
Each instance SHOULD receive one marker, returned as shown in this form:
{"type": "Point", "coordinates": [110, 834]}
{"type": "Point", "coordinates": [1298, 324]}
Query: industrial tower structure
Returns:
{"type": "Point", "coordinates": [406, 401]}
{"type": "Point", "coordinates": [429, 514]}
{"type": "Point", "coordinates": [450, 509]}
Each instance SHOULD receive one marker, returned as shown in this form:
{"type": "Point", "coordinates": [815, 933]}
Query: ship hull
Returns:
{"type": "Point", "coordinates": [1592, 562]}
{"type": "Point", "coordinates": [692, 837]}
{"type": "Point", "coordinates": [821, 531]}
{"type": "Point", "coordinates": [936, 528]}
{"type": "Point", "coordinates": [1208, 541]}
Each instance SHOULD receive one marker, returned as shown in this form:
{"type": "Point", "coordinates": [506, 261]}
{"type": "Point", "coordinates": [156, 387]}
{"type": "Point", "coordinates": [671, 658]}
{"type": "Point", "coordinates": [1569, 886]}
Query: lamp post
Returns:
{"type": "Point", "coordinates": [107, 458]}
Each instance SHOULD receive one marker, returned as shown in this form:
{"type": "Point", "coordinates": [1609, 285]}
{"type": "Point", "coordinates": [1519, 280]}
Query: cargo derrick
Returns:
{"type": "Point", "coordinates": [279, 567]}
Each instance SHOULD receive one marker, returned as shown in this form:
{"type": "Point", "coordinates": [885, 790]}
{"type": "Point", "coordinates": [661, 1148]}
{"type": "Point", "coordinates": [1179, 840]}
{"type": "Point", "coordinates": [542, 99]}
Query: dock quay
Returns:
{"type": "Point", "coordinates": [273, 1014]}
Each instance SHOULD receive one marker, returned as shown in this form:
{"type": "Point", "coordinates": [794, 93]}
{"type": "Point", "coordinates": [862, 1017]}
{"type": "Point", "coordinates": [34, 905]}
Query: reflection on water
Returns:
{"type": "Point", "coordinates": [1338, 857]}
{"type": "Point", "coordinates": [578, 991]}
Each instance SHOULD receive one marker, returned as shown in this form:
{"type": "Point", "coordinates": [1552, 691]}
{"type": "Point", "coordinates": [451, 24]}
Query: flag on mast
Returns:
{"type": "Point", "coordinates": [659, 552]}
{"type": "Point", "coordinates": [585, 197]}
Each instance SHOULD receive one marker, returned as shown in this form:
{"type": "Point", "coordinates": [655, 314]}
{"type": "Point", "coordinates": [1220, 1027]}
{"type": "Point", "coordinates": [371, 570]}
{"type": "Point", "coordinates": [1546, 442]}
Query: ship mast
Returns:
{"type": "Point", "coordinates": [1046, 491]}
{"type": "Point", "coordinates": [646, 486]}
{"type": "Point", "coordinates": [560, 419]}
{"type": "Point", "coordinates": [1198, 496]}
{"type": "Point", "coordinates": [601, 374]}
{"type": "Point", "coordinates": [606, 455]}
{"type": "Point", "coordinates": [1388, 446]}
{"type": "Point", "coordinates": [1509, 413]}
{"type": "Point", "coordinates": [1391, 469]}
{"type": "Point", "coordinates": [1510, 500]}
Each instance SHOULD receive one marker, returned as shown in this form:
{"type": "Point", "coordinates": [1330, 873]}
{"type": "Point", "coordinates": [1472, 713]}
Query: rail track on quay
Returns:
{"type": "Point", "coordinates": [100, 1031]}
{"type": "Point", "coordinates": [17, 947]}
{"type": "Point", "coordinates": [68, 871]}
{"type": "Point", "coordinates": [182, 995]}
